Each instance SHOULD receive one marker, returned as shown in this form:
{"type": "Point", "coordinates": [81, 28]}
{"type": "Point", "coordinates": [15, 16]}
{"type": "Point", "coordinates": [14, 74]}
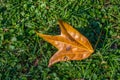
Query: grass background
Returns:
{"type": "Point", "coordinates": [25, 56]}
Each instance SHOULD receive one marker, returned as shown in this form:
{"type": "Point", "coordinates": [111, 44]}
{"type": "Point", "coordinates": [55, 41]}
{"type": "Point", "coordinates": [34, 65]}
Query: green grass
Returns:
{"type": "Point", "coordinates": [20, 47]}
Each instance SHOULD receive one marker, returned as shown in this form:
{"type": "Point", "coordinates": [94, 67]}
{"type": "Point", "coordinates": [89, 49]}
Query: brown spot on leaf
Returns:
{"type": "Point", "coordinates": [68, 48]}
{"type": "Point", "coordinates": [65, 58]}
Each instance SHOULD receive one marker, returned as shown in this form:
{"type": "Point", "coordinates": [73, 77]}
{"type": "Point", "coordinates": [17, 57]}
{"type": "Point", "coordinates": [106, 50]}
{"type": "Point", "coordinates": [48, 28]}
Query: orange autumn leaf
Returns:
{"type": "Point", "coordinates": [71, 44]}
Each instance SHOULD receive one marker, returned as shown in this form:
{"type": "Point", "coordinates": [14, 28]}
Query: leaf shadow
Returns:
{"type": "Point", "coordinates": [94, 32]}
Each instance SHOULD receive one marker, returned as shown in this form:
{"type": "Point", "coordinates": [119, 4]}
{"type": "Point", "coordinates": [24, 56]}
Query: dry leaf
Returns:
{"type": "Point", "coordinates": [71, 44]}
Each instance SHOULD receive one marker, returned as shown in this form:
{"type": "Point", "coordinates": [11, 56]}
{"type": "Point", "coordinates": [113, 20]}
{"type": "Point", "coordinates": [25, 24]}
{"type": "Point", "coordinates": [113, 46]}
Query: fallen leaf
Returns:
{"type": "Point", "coordinates": [71, 44]}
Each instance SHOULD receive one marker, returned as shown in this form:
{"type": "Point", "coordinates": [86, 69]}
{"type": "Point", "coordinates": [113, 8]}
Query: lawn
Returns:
{"type": "Point", "coordinates": [25, 56]}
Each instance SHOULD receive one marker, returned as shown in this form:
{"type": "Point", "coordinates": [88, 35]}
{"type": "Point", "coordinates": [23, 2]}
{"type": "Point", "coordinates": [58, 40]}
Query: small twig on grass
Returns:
{"type": "Point", "coordinates": [98, 40]}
